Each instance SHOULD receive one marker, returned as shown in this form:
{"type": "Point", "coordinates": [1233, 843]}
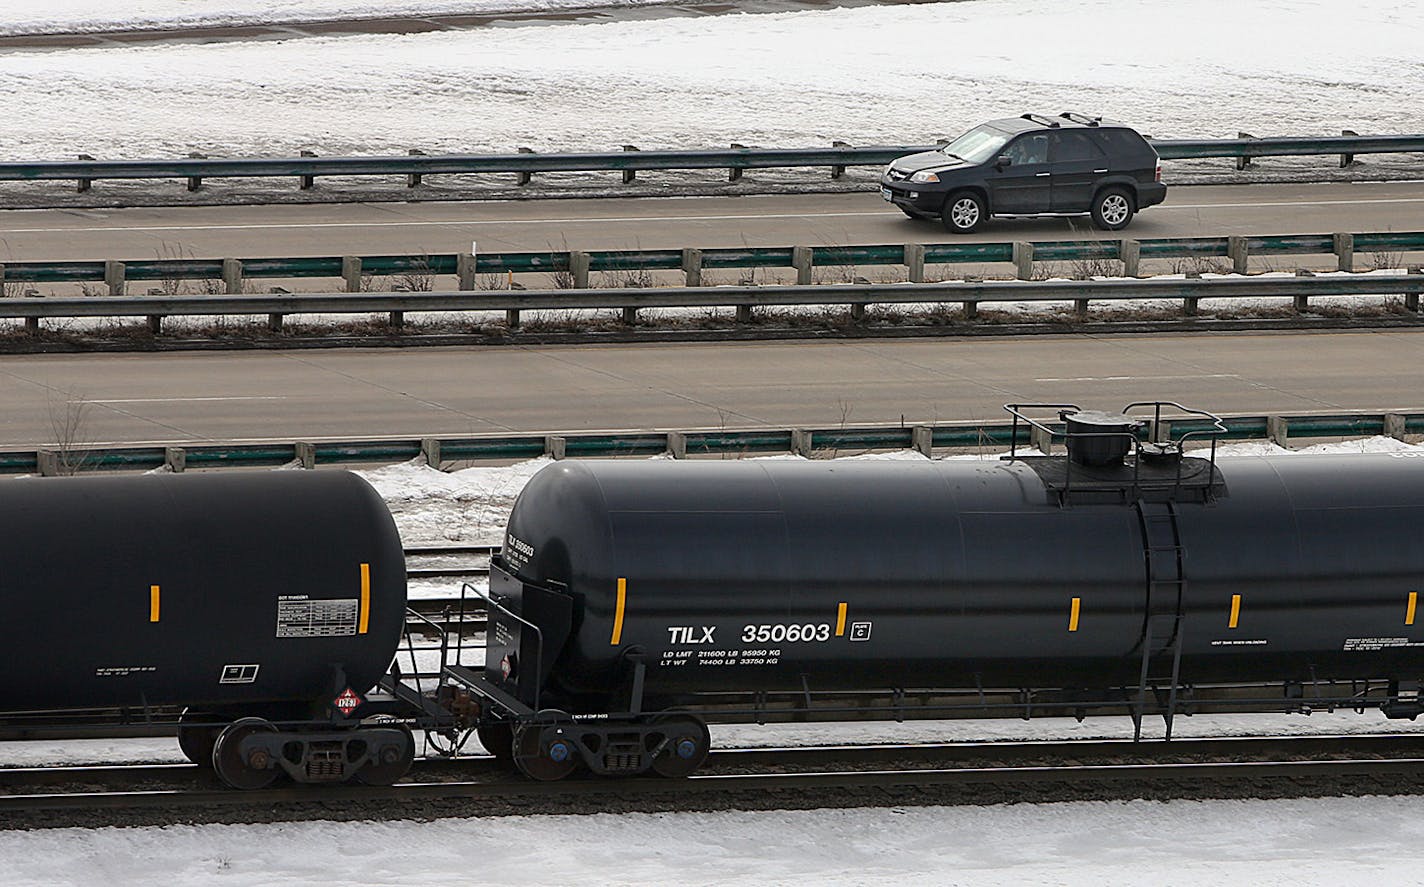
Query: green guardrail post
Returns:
{"type": "Point", "coordinates": [114, 277]}
{"type": "Point", "coordinates": [1394, 425]}
{"type": "Point", "coordinates": [578, 268]}
{"type": "Point", "coordinates": [1411, 299]}
{"type": "Point", "coordinates": [677, 444]}
{"type": "Point", "coordinates": [412, 180]}
{"type": "Point", "coordinates": [196, 182]}
{"type": "Point", "coordinates": [1277, 430]}
{"type": "Point", "coordinates": [915, 262]}
{"type": "Point", "coordinates": [801, 260]}
{"type": "Point", "coordinates": [1023, 260]}
{"type": "Point", "coordinates": [1344, 247]}
{"type": "Point", "coordinates": [922, 440]}
{"type": "Point", "coordinates": [734, 173]}
{"type": "Point", "coordinates": [1130, 252]}
{"type": "Point", "coordinates": [308, 182]}
{"type": "Point", "coordinates": [801, 442]}
{"type": "Point", "coordinates": [430, 451]}
{"type": "Point", "coordinates": [351, 273]}
{"type": "Point", "coordinates": [304, 454]}
{"type": "Point", "coordinates": [232, 276]}
{"type": "Point", "coordinates": [1238, 251]}
{"type": "Point", "coordinates": [692, 266]}
{"type": "Point", "coordinates": [465, 271]}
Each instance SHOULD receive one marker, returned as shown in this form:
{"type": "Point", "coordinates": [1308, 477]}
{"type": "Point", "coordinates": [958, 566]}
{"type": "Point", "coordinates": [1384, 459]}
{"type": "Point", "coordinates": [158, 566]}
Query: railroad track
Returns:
{"type": "Point", "coordinates": [1090, 767]}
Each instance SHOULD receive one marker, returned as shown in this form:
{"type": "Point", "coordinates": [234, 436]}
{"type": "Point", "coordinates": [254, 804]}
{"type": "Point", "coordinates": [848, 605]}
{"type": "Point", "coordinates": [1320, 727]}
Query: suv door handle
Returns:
{"type": "Point", "coordinates": [1099, 171]}
{"type": "Point", "coordinates": [1042, 174]}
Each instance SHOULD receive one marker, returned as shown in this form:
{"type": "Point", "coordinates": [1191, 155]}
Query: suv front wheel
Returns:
{"type": "Point", "coordinates": [964, 212]}
{"type": "Point", "coordinates": [1112, 209]}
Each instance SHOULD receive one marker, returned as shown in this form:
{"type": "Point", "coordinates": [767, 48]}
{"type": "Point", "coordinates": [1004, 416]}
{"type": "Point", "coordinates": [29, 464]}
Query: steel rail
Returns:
{"type": "Point", "coordinates": [1196, 774]}
{"type": "Point", "coordinates": [998, 751]}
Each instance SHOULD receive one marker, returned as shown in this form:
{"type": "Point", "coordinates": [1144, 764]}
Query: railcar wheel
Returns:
{"type": "Point", "coordinates": [392, 762]}
{"type": "Point", "coordinates": [498, 740]}
{"type": "Point", "coordinates": [544, 757]}
{"type": "Point", "coordinates": [688, 742]}
{"type": "Point", "coordinates": [197, 734]}
{"type": "Point", "coordinates": [253, 773]}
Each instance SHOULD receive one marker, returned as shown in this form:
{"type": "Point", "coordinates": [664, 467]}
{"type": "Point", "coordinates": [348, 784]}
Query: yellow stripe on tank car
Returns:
{"type": "Point", "coordinates": [365, 618]}
{"type": "Point", "coordinates": [153, 603]}
{"type": "Point", "coordinates": [840, 619]}
{"type": "Point", "coordinates": [1409, 610]}
{"type": "Point", "coordinates": [618, 612]}
{"type": "Point", "coordinates": [1073, 613]}
{"type": "Point", "coordinates": [1235, 611]}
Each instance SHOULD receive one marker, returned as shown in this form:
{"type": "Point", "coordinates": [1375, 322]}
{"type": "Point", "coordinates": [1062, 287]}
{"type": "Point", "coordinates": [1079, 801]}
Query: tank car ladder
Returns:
{"type": "Point", "coordinates": [1162, 624]}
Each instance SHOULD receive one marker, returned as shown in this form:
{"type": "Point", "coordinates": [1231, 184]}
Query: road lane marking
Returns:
{"type": "Point", "coordinates": [182, 399]}
{"type": "Point", "coordinates": [1140, 378]}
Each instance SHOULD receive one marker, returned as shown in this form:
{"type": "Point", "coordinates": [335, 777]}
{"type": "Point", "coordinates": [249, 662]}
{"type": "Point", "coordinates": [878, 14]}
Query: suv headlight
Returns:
{"type": "Point", "coordinates": [925, 175]}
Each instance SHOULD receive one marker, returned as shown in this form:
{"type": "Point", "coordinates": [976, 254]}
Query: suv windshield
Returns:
{"type": "Point", "coordinates": [977, 145]}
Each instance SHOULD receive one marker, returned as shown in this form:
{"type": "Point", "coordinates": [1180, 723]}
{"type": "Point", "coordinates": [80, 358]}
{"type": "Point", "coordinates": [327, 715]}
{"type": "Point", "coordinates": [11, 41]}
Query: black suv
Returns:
{"type": "Point", "coordinates": [1030, 165]}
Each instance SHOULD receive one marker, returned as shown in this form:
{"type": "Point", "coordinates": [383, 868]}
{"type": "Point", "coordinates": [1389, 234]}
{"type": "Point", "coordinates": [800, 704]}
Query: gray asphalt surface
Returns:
{"type": "Point", "coordinates": [832, 219]}
{"type": "Point", "coordinates": [333, 394]}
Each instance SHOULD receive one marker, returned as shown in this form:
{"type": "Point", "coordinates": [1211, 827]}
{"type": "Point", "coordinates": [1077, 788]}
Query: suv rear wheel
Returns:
{"type": "Point", "coordinates": [964, 212]}
{"type": "Point", "coordinates": [1112, 209]}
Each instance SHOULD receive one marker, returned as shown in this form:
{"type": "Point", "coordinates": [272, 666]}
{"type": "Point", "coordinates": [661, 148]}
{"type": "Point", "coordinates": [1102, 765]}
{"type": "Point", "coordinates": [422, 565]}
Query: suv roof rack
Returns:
{"type": "Point", "coordinates": [1081, 118]}
{"type": "Point", "coordinates": [1039, 118]}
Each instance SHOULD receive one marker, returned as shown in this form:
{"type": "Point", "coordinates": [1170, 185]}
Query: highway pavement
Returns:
{"type": "Point", "coordinates": [313, 395]}
{"type": "Point", "coordinates": [649, 223]}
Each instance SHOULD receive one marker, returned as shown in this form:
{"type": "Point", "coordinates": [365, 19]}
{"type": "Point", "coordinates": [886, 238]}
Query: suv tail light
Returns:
{"type": "Point", "coordinates": [1159, 173]}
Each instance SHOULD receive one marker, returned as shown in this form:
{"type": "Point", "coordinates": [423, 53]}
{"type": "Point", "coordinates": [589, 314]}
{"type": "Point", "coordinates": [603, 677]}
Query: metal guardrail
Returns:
{"type": "Point", "coordinates": [681, 444]}
{"type": "Point", "coordinates": [230, 272]}
{"type": "Point", "coordinates": [969, 294]}
{"type": "Point", "coordinates": [630, 160]}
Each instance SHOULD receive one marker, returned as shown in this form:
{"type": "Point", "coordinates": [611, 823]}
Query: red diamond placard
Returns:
{"type": "Point", "coordinates": [348, 701]}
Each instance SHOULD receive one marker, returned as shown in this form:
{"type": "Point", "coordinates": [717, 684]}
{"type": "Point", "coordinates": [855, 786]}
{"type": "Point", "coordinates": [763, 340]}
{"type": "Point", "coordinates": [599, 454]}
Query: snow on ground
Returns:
{"type": "Point", "coordinates": [471, 505]}
{"type": "Point", "coordinates": [892, 74]}
{"type": "Point", "coordinates": [1332, 841]}
{"type": "Point", "coordinates": [81, 16]}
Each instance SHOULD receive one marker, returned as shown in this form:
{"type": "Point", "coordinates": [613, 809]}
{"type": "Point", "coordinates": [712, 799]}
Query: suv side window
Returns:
{"type": "Point", "coordinates": [1068, 147]}
{"type": "Point", "coordinates": [1123, 144]}
{"type": "Point", "coordinates": [1028, 149]}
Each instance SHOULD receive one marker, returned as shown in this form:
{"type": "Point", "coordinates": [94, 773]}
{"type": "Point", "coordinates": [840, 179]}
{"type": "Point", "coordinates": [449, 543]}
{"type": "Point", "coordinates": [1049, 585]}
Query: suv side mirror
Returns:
{"type": "Point", "coordinates": [1003, 161]}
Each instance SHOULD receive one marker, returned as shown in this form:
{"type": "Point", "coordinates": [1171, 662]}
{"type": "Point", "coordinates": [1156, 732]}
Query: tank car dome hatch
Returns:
{"type": "Point", "coordinates": [1096, 437]}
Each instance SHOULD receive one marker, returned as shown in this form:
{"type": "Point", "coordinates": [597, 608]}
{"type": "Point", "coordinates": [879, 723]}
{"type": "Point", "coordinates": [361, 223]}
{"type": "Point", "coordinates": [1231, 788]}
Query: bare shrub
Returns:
{"type": "Point", "coordinates": [68, 420]}
{"type": "Point", "coordinates": [418, 279]}
{"type": "Point", "coordinates": [1200, 265]}
{"type": "Point", "coordinates": [1385, 259]}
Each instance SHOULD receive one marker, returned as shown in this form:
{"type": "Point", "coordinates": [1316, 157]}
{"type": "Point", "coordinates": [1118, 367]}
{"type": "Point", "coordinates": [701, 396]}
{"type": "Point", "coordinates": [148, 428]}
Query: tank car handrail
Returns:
{"type": "Point", "coordinates": [1216, 431]}
{"type": "Point", "coordinates": [441, 632]}
{"type": "Point", "coordinates": [1016, 410]}
{"type": "Point", "coordinates": [538, 634]}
